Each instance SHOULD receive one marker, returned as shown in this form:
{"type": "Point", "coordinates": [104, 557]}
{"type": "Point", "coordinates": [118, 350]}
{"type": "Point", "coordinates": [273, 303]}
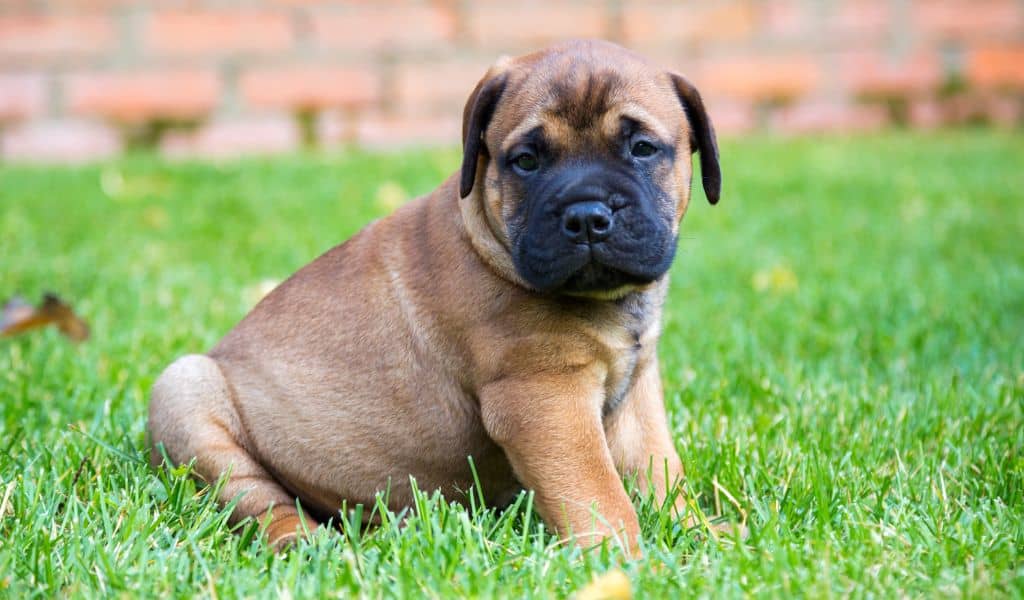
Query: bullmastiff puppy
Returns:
{"type": "Point", "coordinates": [511, 316]}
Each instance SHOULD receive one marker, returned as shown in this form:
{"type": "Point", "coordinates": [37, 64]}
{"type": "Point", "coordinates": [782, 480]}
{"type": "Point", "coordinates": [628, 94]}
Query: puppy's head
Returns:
{"type": "Point", "coordinates": [576, 167]}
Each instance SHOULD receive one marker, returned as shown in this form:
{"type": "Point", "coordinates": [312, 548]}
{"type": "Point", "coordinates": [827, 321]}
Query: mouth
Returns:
{"type": "Point", "coordinates": [591, 270]}
{"type": "Point", "coordinates": [574, 251]}
{"type": "Point", "coordinates": [597, 277]}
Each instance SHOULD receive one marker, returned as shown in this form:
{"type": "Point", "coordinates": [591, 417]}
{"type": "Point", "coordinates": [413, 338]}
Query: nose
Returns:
{"type": "Point", "coordinates": [587, 221]}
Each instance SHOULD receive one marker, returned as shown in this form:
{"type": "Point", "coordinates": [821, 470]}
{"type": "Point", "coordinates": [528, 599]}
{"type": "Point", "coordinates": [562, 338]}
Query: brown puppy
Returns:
{"type": "Point", "coordinates": [510, 316]}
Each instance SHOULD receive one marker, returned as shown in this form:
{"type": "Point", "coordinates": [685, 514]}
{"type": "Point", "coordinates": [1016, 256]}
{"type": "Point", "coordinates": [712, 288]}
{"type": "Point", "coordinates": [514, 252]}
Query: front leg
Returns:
{"type": "Point", "coordinates": [551, 431]}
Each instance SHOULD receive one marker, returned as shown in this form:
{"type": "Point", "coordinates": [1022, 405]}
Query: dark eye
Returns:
{"type": "Point", "coordinates": [643, 149]}
{"type": "Point", "coordinates": [526, 162]}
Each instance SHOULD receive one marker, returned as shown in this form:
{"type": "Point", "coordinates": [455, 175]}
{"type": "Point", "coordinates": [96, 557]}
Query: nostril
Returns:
{"type": "Point", "coordinates": [587, 222]}
{"type": "Point", "coordinates": [600, 223]}
{"type": "Point", "coordinates": [573, 225]}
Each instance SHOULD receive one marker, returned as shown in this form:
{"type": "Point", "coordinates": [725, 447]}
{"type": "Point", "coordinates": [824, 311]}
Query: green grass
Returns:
{"type": "Point", "coordinates": [843, 355]}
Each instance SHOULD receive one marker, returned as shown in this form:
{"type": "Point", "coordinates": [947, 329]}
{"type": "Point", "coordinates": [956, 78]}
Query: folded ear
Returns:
{"type": "Point", "coordinates": [475, 117]}
{"type": "Point", "coordinates": [702, 137]}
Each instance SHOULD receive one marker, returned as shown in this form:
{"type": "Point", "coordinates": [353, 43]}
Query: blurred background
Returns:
{"type": "Point", "coordinates": [86, 79]}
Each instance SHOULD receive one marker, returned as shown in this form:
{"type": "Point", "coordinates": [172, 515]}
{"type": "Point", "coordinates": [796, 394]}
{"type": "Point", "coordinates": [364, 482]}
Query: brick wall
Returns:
{"type": "Point", "coordinates": [89, 78]}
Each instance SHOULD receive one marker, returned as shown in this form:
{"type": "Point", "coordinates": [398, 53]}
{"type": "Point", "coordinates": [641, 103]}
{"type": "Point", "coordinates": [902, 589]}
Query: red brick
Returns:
{"type": "Point", "coordinates": [783, 18]}
{"type": "Point", "coordinates": [319, 4]}
{"type": "Point", "coordinates": [860, 19]}
{"type": "Point", "coordinates": [226, 138]}
{"type": "Point", "coordinates": [682, 62]}
{"type": "Point", "coordinates": [828, 116]}
{"type": "Point", "coordinates": [398, 131]}
{"type": "Point", "coordinates": [997, 67]}
{"type": "Point", "coordinates": [83, 5]}
{"type": "Point", "coordinates": [374, 27]}
{"type": "Point", "coordinates": [21, 96]}
{"type": "Point", "coordinates": [336, 127]}
{"type": "Point", "coordinates": [13, 7]}
{"type": "Point", "coordinates": [925, 113]}
{"type": "Point", "coordinates": [53, 37]}
{"type": "Point", "coordinates": [60, 141]}
{"type": "Point", "coordinates": [531, 23]}
{"type": "Point", "coordinates": [872, 74]}
{"type": "Point", "coordinates": [1005, 111]}
{"type": "Point", "coordinates": [221, 31]}
{"type": "Point", "coordinates": [767, 78]}
{"type": "Point", "coordinates": [652, 23]}
{"type": "Point", "coordinates": [964, 107]}
{"type": "Point", "coordinates": [961, 19]}
{"type": "Point", "coordinates": [309, 86]}
{"type": "Point", "coordinates": [437, 87]}
{"type": "Point", "coordinates": [138, 96]}
{"type": "Point", "coordinates": [731, 117]}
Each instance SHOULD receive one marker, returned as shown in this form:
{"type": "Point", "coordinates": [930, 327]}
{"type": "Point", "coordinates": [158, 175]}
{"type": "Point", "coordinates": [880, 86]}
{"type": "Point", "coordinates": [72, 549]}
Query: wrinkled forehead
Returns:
{"type": "Point", "coordinates": [575, 101]}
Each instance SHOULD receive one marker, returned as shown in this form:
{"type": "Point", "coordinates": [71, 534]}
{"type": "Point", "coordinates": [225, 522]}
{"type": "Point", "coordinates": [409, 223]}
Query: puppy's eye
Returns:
{"type": "Point", "coordinates": [643, 149]}
{"type": "Point", "coordinates": [526, 162]}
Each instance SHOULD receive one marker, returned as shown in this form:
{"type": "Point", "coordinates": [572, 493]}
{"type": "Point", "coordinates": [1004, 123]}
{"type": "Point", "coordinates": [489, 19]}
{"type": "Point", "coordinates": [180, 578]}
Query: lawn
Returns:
{"type": "Point", "coordinates": [843, 359]}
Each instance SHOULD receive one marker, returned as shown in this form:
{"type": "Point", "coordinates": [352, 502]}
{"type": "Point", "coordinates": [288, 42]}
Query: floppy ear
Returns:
{"type": "Point", "coordinates": [475, 117]}
{"type": "Point", "coordinates": [702, 137]}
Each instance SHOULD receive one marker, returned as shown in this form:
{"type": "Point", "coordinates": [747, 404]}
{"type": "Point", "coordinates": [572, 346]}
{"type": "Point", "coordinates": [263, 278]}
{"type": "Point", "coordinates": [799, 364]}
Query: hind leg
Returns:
{"type": "Point", "coordinates": [191, 413]}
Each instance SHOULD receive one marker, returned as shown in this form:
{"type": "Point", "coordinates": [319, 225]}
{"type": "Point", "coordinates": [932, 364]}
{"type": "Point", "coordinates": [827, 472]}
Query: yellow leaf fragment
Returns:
{"type": "Point", "coordinates": [778, 279]}
{"type": "Point", "coordinates": [613, 585]}
{"type": "Point", "coordinates": [390, 196]}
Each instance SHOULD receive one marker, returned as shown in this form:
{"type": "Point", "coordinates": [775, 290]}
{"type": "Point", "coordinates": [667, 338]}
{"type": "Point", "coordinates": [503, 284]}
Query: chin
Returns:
{"type": "Point", "coordinates": [608, 269]}
{"type": "Point", "coordinates": [612, 294]}
{"type": "Point", "coordinates": [595, 280]}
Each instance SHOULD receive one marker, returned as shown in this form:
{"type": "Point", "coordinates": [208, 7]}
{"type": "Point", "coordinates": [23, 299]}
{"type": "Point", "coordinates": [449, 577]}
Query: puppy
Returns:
{"type": "Point", "coordinates": [511, 316]}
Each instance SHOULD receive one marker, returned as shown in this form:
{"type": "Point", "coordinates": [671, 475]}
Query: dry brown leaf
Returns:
{"type": "Point", "coordinates": [18, 316]}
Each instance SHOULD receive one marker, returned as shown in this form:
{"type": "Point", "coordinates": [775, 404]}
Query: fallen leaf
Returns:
{"type": "Point", "coordinates": [121, 188]}
{"type": "Point", "coordinates": [613, 585]}
{"type": "Point", "coordinates": [156, 217]}
{"type": "Point", "coordinates": [112, 182]}
{"type": "Point", "coordinates": [778, 279]}
{"type": "Point", "coordinates": [390, 196]}
{"type": "Point", "coordinates": [17, 310]}
{"type": "Point", "coordinates": [18, 316]}
{"type": "Point", "coordinates": [252, 294]}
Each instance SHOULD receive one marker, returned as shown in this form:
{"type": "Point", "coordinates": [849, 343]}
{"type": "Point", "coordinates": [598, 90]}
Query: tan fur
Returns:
{"type": "Point", "coordinates": [415, 345]}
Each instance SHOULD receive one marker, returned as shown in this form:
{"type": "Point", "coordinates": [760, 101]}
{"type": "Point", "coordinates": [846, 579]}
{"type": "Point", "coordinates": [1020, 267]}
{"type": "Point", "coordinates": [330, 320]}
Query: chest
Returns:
{"type": "Point", "coordinates": [623, 337]}
{"type": "Point", "coordinates": [625, 363]}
